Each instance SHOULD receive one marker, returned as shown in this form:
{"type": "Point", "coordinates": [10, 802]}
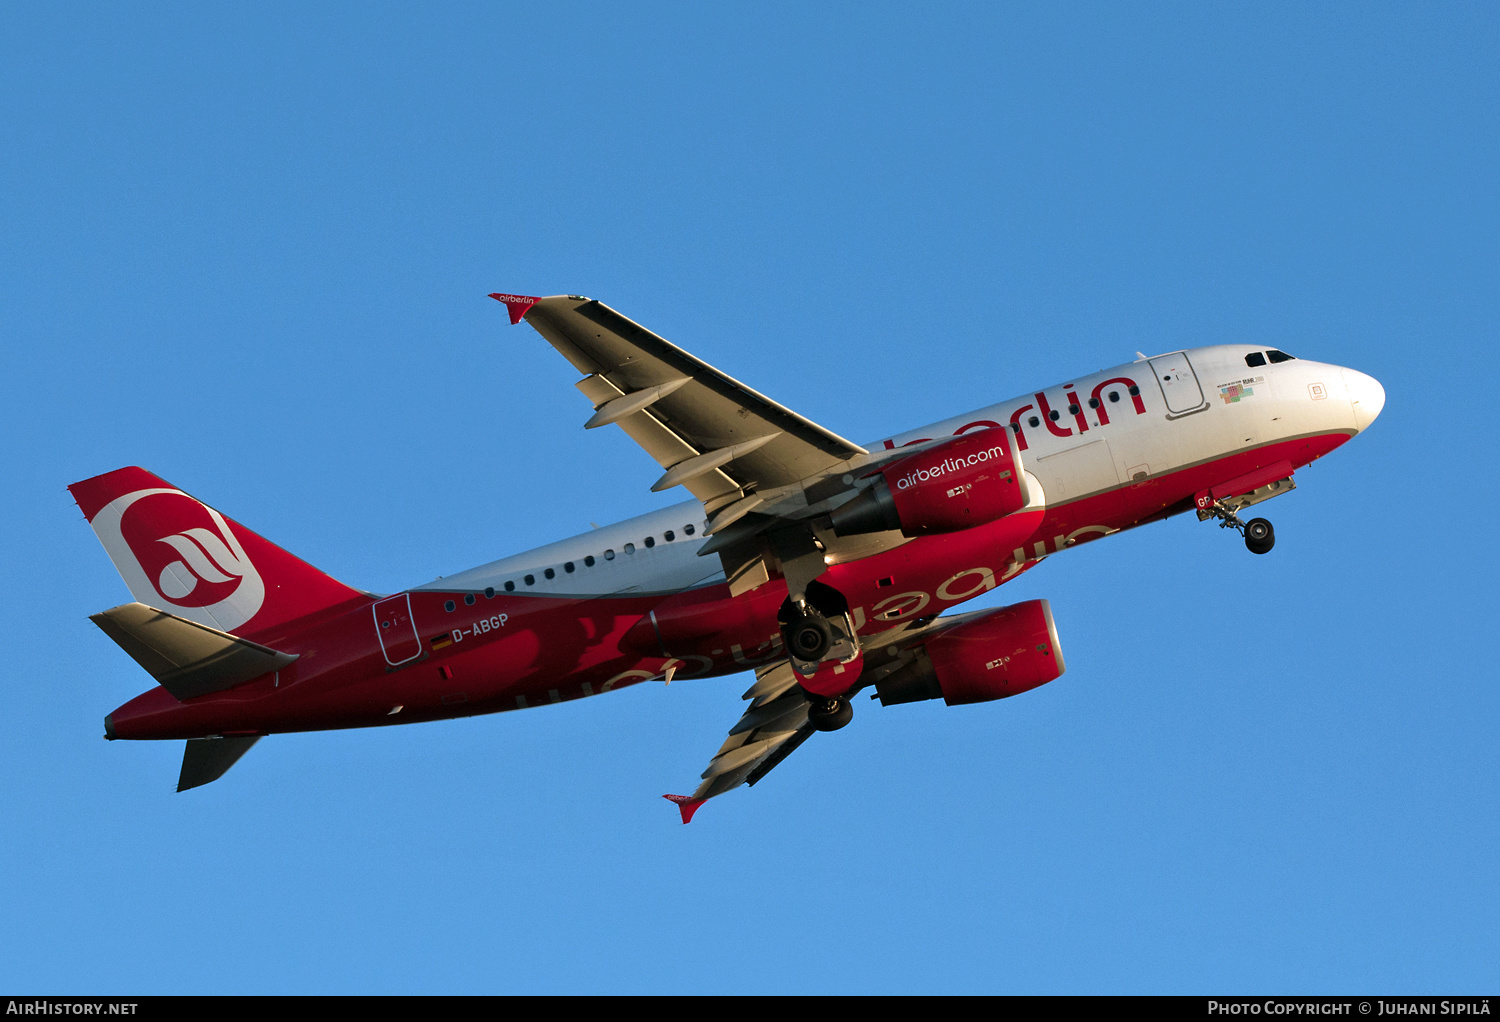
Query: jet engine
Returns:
{"type": "Point", "coordinates": [998, 654]}
{"type": "Point", "coordinates": [969, 480]}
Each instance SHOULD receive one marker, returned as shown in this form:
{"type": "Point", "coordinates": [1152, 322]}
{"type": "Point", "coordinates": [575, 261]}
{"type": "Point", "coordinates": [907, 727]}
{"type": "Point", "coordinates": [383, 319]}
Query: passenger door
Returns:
{"type": "Point", "coordinates": [396, 631]}
{"type": "Point", "coordinates": [1179, 384]}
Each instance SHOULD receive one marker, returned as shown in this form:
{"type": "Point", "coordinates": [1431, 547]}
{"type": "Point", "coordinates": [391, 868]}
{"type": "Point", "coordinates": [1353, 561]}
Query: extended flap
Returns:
{"type": "Point", "coordinates": [186, 658]}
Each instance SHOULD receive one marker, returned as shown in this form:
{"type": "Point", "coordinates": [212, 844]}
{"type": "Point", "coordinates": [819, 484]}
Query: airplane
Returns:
{"type": "Point", "coordinates": [823, 566]}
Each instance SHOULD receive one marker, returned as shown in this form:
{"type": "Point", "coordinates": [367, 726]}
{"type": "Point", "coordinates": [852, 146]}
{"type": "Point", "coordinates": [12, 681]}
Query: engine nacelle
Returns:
{"type": "Point", "coordinates": [969, 480]}
{"type": "Point", "coordinates": [1005, 652]}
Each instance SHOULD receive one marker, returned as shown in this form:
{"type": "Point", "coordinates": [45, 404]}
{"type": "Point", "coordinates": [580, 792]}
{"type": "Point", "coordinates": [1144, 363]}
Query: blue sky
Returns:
{"type": "Point", "coordinates": [249, 250]}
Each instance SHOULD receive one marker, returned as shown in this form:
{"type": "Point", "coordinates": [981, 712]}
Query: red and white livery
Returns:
{"type": "Point", "coordinates": [824, 566]}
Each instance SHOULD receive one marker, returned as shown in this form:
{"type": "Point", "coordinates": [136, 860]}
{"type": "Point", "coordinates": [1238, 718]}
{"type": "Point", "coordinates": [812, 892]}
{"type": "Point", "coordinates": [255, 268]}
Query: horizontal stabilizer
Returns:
{"type": "Point", "coordinates": [186, 658]}
{"type": "Point", "coordinates": [206, 759]}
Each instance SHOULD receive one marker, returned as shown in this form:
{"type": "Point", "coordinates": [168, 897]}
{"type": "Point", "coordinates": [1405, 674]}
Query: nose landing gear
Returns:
{"type": "Point", "coordinates": [1260, 537]}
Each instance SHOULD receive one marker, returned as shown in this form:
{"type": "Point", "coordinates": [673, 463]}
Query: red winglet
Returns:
{"type": "Point", "coordinates": [516, 305]}
{"type": "Point", "coordinates": [686, 805]}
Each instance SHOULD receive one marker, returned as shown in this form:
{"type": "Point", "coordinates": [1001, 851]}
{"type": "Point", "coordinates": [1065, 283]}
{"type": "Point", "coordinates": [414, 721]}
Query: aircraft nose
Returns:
{"type": "Point", "coordinates": [1366, 395]}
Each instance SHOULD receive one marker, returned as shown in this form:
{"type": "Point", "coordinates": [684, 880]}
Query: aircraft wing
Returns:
{"type": "Point", "coordinates": [776, 723]}
{"type": "Point", "coordinates": [768, 732]}
{"type": "Point", "coordinates": [726, 443]}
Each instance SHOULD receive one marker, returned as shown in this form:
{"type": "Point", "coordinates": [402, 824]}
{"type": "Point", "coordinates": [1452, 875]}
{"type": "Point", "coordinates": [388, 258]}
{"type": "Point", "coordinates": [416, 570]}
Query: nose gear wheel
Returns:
{"type": "Point", "coordinates": [1260, 537]}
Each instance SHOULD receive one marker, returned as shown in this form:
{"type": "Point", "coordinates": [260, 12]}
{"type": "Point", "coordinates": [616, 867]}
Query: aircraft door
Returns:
{"type": "Point", "coordinates": [396, 630]}
{"type": "Point", "coordinates": [1179, 384]}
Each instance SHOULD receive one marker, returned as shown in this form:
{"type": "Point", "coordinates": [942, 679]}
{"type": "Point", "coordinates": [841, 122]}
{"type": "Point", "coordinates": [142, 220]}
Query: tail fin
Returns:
{"type": "Point", "coordinates": [180, 555]}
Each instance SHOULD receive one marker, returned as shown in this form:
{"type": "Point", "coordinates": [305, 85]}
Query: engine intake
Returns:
{"type": "Point", "coordinates": [969, 480]}
{"type": "Point", "coordinates": [1007, 651]}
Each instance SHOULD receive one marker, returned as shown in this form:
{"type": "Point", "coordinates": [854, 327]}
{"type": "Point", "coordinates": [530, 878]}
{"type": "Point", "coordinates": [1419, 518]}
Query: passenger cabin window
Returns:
{"type": "Point", "coordinates": [1114, 396]}
{"type": "Point", "coordinates": [1254, 359]}
{"type": "Point", "coordinates": [609, 555]}
{"type": "Point", "coordinates": [489, 592]}
{"type": "Point", "coordinates": [630, 548]}
{"type": "Point", "coordinates": [449, 606]}
{"type": "Point", "coordinates": [1034, 421]}
{"type": "Point", "coordinates": [469, 599]}
{"type": "Point", "coordinates": [510, 587]}
{"type": "Point", "coordinates": [1280, 356]}
{"type": "Point", "coordinates": [531, 580]}
{"type": "Point", "coordinates": [688, 529]}
{"type": "Point", "coordinates": [650, 542]}
{"type": "Point", "coordinates": [669, 535]}
{"type": "Point", "coordinates": [550, 573]}
{"type": "Point", "coordinates": [568, 567]}
{"type": "Point", "coordinates": [588, 562]}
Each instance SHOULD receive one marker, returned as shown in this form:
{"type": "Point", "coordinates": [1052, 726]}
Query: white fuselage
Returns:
{"type": "Point", "coordinates": [1196, 406]}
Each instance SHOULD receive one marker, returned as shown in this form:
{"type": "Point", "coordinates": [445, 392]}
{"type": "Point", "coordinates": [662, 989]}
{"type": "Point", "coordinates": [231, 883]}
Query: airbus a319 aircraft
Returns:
{"type": "Point", "coordinates": [822, 565]}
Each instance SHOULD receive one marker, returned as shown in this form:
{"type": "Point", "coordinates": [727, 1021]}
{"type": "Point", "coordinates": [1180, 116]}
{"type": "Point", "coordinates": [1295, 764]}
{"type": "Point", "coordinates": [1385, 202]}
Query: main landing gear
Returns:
{"type": "Point", "coordinates": [829, 714]}
{"type": "Point", "coordinates": [1259, 536]}
{"type": "Point", "coordinates": [809, 636]}
{"type": "Point", "coordinates": [806, 632]}
{"type": "Point", "coordinates": [817, 632]}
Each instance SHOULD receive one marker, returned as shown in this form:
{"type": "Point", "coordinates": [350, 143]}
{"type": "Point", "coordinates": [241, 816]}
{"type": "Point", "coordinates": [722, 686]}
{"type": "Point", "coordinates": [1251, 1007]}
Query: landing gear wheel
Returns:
{"type": "Point", "coordinates": [1259, 536]}
{"type": "Point", "coordinates": [808, 637]}
{"type": "Point", "coordinates": [830, 714]}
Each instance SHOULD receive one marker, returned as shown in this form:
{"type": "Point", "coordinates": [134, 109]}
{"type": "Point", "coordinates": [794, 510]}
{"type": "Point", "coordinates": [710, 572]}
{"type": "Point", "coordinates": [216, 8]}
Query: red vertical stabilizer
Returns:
{"type": "Point", "coordinates": [177, 554]}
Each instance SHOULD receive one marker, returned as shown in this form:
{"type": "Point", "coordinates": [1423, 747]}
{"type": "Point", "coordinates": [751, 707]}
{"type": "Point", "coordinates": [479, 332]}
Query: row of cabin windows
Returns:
{"type": "Point", "coordinates": [569, 567]}
{"type": "Point", "coordinates": [1073, 409]}
{"type": "Point", "coordinates": [1256, 358]}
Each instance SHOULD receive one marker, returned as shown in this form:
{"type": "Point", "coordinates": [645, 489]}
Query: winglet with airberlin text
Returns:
{"type": "Point", "coordinates": [686, 805]}
{"type": "Point", "coordinates": [516, 305]}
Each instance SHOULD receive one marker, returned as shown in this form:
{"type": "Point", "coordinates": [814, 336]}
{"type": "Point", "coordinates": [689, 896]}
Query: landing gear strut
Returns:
{"type": "Point", "coordinates": [829, 714]}
{"type": "Point", "coordinates": [1259, 536]}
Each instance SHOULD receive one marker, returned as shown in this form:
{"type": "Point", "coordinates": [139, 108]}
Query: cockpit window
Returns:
{"type": "Point", "coordinates": [1280, 356]}
{"type": "Point", "coordinates": [1255, 358]}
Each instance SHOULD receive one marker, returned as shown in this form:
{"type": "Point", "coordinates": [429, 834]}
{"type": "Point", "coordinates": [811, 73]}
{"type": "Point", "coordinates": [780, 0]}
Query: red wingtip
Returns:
{"type": "Point", "coordinates": [686, 805]}
{"type": "Point", "coordinates": [516, 305]}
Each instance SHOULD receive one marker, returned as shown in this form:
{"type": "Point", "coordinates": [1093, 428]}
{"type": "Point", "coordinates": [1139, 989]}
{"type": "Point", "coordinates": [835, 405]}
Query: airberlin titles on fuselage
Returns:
{"type": "Point", "coordinates": [1048, 416]}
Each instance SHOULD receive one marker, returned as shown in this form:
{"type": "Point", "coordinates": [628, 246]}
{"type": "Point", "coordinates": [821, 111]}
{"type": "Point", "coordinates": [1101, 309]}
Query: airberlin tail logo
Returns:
{"type": "Point", "coordinates": [205, 558]}
{"type": "Point", "coordinates": [180, 555]}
